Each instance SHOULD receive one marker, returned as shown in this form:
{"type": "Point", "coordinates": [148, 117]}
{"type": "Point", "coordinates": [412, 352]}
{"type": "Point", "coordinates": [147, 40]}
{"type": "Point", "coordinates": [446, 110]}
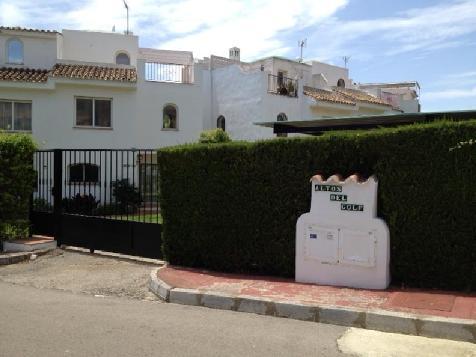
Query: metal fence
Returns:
{"type": "Point", "coordinates": [168, 72]}
{"type": "Point", "coordinates": [113, 184]}
{"type": "Point", "coordinates": [282, 85]}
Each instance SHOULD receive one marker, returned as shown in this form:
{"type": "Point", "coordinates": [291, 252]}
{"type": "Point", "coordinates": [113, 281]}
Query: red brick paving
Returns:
{"type": "Point", "coordinates": [437, 303]}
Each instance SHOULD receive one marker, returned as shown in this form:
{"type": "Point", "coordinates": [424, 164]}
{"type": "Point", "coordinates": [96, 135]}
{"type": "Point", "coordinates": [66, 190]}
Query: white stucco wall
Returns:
{"type": "Point", "coordinates": [136, 113]}
{"type": "Point", "coordinates": [99, 47]}
{"type": "Point", "coordinates": [332, 73]}
{"type": "Point", "coordinates": [243, 99]}
{"type": "Point", "coordinates": [39, 50]}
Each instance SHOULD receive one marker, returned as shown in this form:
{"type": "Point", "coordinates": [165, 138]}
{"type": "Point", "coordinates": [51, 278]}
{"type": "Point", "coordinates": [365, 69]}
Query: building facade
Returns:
{"type": "Point", "coordinates": [82, 89]}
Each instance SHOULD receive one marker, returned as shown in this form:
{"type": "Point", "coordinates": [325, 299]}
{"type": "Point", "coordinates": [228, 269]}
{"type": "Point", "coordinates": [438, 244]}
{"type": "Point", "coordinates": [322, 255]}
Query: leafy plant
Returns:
{"type": "Point", "coordinates": [80, 204]}
{"type": "Point", "coordinates": [14, 230]}
{"type": "Point", "coordinates": [16, 176]}
{"type": "Point", "coordinates": [127, 196]}
{"type": "Point", "coordinates": [40, 204]}
{"type": "Point", "coordinates": [214, 136]}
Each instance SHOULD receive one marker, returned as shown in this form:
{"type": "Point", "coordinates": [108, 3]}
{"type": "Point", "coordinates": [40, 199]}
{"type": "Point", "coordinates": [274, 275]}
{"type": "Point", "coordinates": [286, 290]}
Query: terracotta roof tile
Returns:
{"type": "Point", "coordinates": [327, 96]}
{"type": "Point", "coordinates": [361, 96]}
{"type": "Point", "coordinates": [77, 71]}
{"type": "Point", "coordinates": [23, 75]}
{"type": "Point", "coordinates": [17, 28]}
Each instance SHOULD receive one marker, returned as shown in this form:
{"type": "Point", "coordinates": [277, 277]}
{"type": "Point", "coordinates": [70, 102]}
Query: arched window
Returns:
{"type": "Point", "coordinates": [169, 117]}
{"type": "Point", "coordinates": [15, 51]}
{"type": "Point", "coordinates": [341, 83]}
{"type": "Point", "coordinates": [123, 58]}
{"type": "Point", "coordinates": [221, 122]}
{"type": "Point", "coordinates": [282, 117]}
{"type": "Point", "coordinates": [83, 173]}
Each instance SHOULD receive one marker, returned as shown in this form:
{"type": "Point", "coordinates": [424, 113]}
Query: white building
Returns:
{"type": "Point", "coordinates": [81, 89]}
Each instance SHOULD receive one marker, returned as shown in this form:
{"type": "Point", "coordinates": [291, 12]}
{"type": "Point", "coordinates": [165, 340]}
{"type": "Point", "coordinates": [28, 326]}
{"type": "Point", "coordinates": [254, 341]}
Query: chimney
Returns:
{"type": "Point", "coordinates": [234, 54]}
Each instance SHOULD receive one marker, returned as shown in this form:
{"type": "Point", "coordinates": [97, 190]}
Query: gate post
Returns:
{"type": "Point", "coordinates": [57, 192]}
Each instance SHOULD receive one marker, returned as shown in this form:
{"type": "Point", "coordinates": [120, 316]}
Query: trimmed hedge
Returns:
{"type": "Point", "coordinates": [233, 207]}
{"type": "Point", "coordinates": [16, 183]}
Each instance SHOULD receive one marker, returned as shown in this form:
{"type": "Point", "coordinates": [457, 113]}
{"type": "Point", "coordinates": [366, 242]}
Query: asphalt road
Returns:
{"type": "Point", "coordinates": [47, 322]}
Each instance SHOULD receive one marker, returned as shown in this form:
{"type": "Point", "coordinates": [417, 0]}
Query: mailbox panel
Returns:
{"type": "Point", "coordinates": [357, 247]}
{"type": "Point", "coordinates": [322, 244]}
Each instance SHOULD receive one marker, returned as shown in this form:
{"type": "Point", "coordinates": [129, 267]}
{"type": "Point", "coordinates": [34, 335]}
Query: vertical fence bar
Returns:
{"type": "Point", "coordinates": [58, 177]}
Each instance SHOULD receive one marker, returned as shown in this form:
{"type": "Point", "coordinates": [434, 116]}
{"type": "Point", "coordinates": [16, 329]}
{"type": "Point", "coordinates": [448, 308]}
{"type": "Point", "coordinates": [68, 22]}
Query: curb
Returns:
{"type": "Point", "coordinates": [380, 320]}
{"type": "Point", "coordinates": [13, 258]}
{"type": "Point", "coordinates": [106, 254]}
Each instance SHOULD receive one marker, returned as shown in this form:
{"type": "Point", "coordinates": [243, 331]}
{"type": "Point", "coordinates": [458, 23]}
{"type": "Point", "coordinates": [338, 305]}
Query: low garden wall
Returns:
{"type": "Point", "coordinates": [233, 207]}
{"type": "Point", "coordinates": [16, 184]}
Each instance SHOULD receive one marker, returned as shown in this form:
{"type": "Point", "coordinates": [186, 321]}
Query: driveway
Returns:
{"type": "Point", "coordinates": [82, 273]}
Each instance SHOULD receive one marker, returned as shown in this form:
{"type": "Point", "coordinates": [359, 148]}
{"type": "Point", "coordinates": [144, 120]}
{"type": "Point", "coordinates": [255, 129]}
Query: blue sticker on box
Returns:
{"type": "Point", "coordinates": [313, 236]}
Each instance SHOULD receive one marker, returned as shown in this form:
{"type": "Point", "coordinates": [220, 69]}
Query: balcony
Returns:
{"type": "Point", "coordinates": [168, 72]}
{"type": "Point", "coordinates": [282, 86]}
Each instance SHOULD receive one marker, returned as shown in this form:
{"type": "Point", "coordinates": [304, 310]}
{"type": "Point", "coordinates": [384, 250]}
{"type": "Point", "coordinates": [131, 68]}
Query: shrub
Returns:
{"type": "Point", "coordinates": [14, 229]}
{"type": "Point", "coordinates": [80, 204]}
{"type": "Point", "coordinates": [40, 204]}
{"type": "Point", "coordinates": [16, 181]}
{"type": "Point", "coordinates": [127, 196]}
{"type": "Point", "coordinates": [214, 136]}
{"type": "Point", "coordinates": [233, 207]}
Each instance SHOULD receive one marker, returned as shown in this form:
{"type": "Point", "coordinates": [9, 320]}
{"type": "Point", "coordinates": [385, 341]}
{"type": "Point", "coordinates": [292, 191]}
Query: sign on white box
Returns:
{"type": "Point", "coordinates": [341, 241]}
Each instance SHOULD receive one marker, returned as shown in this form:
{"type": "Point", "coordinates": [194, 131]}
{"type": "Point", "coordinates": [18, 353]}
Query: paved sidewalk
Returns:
{"type": "Point", "coordinates": [434, 303]}
{"type": "Point", "coordinates": [409, 311]}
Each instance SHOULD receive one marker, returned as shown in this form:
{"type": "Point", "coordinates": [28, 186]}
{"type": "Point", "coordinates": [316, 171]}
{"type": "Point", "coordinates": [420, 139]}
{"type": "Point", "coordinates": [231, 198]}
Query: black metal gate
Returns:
{"type": "Point", "coordinates": [99, 199]}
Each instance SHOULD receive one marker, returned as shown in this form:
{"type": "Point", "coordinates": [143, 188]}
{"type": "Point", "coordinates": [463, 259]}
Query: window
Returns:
{"type": "Point", "coordinates": [221, 122]}
{"type": "Point", "coordinates": [15, 116]}
{"type": "Point", "coordinates": [83, 173]}
{"type": "Point", "coordinates": [170, 117]}
{"type": "Point", "coordinates": [282, 117]}
{"type": "Point", "coordinates": [15, 51]}
{"type": "Point", "coordinates": [281, 75]}
{"type": "Point", "coordinates": [341, 83]}
{"type": "Point", "coordinates": [123, 58]}
{"type": "Point", "coordinates": [93, 112]}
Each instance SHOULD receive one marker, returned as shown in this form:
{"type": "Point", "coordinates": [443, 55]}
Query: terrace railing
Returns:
{"type": "Point", "coordinates": [282, 85]}
{"type": "Point", "coordinates": [168, 72]}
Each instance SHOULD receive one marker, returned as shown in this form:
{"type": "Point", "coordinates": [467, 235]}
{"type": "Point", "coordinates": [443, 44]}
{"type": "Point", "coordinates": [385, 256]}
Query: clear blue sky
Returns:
{"type": "Point", "coordinates": [433, 42]}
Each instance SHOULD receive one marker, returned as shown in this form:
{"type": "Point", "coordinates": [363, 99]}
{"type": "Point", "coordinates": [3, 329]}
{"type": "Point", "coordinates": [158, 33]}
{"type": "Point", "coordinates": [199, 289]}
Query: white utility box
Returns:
{"type": "Point", "coordinates": [341, 241]}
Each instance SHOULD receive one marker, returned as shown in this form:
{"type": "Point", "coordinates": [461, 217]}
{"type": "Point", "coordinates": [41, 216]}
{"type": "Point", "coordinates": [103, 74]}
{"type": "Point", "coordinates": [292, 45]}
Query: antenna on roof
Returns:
{"type": "Point", "coordinates": [127, 14]}
{"type": "Point", "coordinates": [346, 60]}
{"type": "Point", "coordinates": [302, 44]}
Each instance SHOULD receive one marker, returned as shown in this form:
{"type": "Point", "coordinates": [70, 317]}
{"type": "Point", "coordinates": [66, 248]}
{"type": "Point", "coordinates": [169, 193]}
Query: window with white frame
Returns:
{"type": "Point", "coordinates": [15, 115]}
{"type": "Point", "coordinates": [93, 112]}
{"type": "Point", "coordinates": [84, 173]}
{"type": "Point", "coordinates": [14, 51]}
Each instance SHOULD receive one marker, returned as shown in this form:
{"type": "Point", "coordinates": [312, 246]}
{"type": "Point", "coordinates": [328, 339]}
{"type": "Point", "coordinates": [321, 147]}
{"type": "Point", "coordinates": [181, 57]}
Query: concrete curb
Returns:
{"type": "Point", "coordinates": [13, 258]}
{"type": "Point", "coordinates": [106, 254]}
{"type": "Point", "coordinates": [380, 320]}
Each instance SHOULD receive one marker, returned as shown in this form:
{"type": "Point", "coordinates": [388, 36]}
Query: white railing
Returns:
{"type": "Point", "coordinates": [168, 72]}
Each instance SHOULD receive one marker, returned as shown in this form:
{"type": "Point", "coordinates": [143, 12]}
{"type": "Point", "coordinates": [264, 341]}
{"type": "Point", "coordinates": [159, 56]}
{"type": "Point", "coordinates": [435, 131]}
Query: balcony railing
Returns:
{"type": "Point", "coordinates": [282, 85]}
{"type": "Point", "coordinates": [168, 72]}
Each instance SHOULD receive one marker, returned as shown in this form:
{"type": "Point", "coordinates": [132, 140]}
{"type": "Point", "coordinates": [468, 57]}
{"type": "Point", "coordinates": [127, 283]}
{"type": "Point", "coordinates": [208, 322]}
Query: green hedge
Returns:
{"type": "Point", "coordinates": [233, 207]}
{"type": "Point", "coordinates": [16, 183]}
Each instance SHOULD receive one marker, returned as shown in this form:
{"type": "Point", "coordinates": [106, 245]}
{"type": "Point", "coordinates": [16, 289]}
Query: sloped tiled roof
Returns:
{"type": "Point", "coordinates": [23, 75]}
{"type": "Point", "coordinates": [17, 28]}
{"type": "Point", "coordinates": [78, 71]}
{"type": "Point", "coordinates": [361, 96]}
{"type": "Point", "coordinates": [327, 96]}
